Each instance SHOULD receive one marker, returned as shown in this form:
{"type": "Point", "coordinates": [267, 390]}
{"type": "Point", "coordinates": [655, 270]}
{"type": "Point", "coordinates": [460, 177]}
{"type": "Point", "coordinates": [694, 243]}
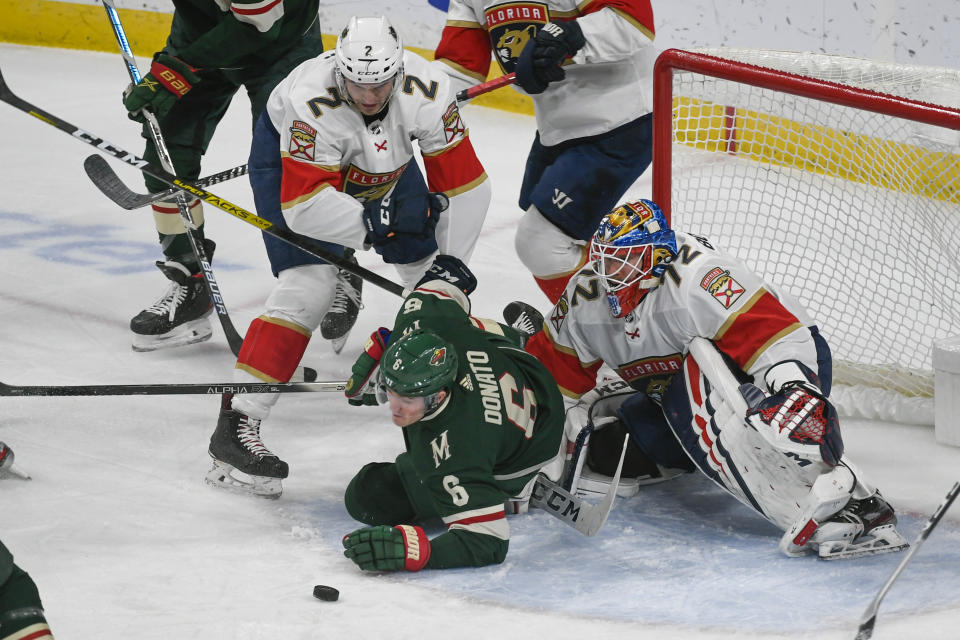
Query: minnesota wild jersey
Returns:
{"type": "Point", "coordinates": [501, 423]}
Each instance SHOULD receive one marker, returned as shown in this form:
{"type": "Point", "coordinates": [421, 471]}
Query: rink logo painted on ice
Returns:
{"type": "Point", "coordinates": [366, 186]}
{"type": "Point", "coordinates": [96, 247]}
{"type": "Point", "coordinates": [511, 26]}
{"type": "Point", "coordinates": [303, 140]}
{"type": "Point", "coordinates": [722, 287]}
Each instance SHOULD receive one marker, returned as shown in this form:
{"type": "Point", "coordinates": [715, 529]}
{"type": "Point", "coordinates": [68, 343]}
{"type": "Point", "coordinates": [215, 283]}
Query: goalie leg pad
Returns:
{"type": "Point", "coordinates": [706, 412]}
{"type": "Point", "coordinates": [650, 432]}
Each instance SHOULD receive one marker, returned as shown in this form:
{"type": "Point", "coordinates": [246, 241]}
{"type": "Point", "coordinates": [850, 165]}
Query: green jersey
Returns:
{"type": "Point", "coordinates": [231, 34]}
{"type": "Point", "coordinates": [501, 423]}
{"type": "Point", "coordinates": [6, 564]}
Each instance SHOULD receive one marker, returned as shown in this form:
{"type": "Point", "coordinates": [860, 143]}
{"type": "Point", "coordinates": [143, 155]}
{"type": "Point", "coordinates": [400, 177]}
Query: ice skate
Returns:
{"type": "Point", "coordinates": [180, 315]}
{"type": "Point", "coordinates": [523, 317]}
{"type": "Point", "coordinates": [863, 527]}
{"type": "Point", "coordinates": [346, 305]}
{"type": "Point", "coordinates": [241, 462]}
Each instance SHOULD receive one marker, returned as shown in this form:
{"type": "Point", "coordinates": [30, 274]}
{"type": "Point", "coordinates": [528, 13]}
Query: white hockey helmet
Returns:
{"type": "Point", "coordinates": [369, 51]}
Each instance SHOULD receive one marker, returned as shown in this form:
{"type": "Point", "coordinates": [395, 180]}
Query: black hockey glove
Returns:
{"type": "Point", "coordinates": [453, 270]}
{"type": "Point", "coordinates": [539, 62]}
{"type": "Point", "coordinates": [401, 227]}
{"type": "Point", "coordinates": [169, 80]}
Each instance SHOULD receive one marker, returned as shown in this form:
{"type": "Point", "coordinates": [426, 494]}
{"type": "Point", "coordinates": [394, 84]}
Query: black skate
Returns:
{"type": "Point", "coordinates": [523, 317]}
{"type": "Point", "coordinates": [346, 305]}
{"type": "Point", "coordinates": [241, 462]}
{"type": "Point", "coordinates": [862, 527]}
{"type": "Point", "coordinates": [180, 316]}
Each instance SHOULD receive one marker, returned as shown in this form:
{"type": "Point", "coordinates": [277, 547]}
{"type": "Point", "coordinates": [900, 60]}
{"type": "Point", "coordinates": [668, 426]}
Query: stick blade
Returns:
{"type": "Point", "coordinates": [105, 179]}
{"type": "Point", "coordinates": [866, 628]}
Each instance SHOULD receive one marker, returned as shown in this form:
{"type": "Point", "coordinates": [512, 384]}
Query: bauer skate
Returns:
{"type": "Point", "coordinates": [346, 305]}
{"type": "Point", "coordinates": [241, 462]}
{"type": "Point", "coordinates": [181, 315]}
{"type": "Point", "coordinates": [863, 527]}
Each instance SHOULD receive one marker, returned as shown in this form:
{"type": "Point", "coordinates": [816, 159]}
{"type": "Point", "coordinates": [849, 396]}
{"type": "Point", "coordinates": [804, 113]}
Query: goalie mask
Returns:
{"type": "Point", "coordinates": [369, 53]}
{"type": "Point", "coordinates": [420, 364]}
{"type": "Point", "coordinates": [630, 251]}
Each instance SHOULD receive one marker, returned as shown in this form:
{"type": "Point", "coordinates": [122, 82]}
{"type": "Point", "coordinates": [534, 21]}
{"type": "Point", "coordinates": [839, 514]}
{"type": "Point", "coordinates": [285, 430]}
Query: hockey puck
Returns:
{"type": "Point", "coordinates": [325, 593]}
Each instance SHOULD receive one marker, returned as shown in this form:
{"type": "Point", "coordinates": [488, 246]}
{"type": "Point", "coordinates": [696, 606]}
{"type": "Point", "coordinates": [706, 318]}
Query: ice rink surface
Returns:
{"type": "Point", "coordinates": [126, 541]}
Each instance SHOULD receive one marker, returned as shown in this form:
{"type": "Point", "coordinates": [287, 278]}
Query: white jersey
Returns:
{"type": "Point", "coordinates": [333, 160]}
{"type": "Point", "coordinates": [609, 82]}
{"type": "Point", "coordinates": [703, 293]}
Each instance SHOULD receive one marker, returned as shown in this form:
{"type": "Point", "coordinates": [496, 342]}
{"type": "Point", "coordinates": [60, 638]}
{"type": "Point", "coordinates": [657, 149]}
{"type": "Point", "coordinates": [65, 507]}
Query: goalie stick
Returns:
{"type": "Point", "coordinates": [167, 389]}
{"type": "Point", "coordinates": [6, 95]}
{"type": "Point", "coordinates": [586, 518]}
{"type": "Point", "coordinates": [865, 630]}
{"type": "Point", "coordinates": [109, 183]}
{"type": "Point", "coordinates": [234, 339]}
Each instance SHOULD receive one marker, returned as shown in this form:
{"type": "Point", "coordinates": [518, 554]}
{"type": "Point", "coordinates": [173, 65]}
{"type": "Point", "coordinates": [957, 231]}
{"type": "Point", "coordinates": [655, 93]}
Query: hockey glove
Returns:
{"type": "Point", "coordinates": [362, 387]}
{"type": "Point", "coordinates": [386, 548]}
{"type": "Point", "coordinates": [453, 270]}
{"type": "Point", "coordinates": [797, 409]}
{"type": "Point", "coordinates": [169, 80]}
{"type": "Point", "coordinates": [401, 226]}
{"type": "Point", "coordinates": [539, 62]}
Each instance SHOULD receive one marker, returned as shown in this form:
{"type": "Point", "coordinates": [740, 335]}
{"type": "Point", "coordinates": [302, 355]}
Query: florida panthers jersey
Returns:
{"type": "Point", "coordinates": [608, 82]}
{"type": "Point", "coordinates": [333, 159]}
{"type": "Point", "coordinates": [703, 293]}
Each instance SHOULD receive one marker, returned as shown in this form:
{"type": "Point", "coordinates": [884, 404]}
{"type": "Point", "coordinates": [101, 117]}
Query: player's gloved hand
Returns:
{"type": "Point", "coordinates": [539, 62]}
{"type": "Point", "coordinates": [453, 270]}
{"type": "Point", "coordinates": [386, 548]}
{"type": "Point", "coordinates": [796, 409]}
{"type": "Point", "coordinates": [401, 226]}
{"type": "Point", "coordinates": [169, 80]}
{"type": "Point", "coordinates": [363, 387]}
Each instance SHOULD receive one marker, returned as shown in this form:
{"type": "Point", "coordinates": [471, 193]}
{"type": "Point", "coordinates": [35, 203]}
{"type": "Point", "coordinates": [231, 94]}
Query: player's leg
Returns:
{"type": "Point", "coordinates": [389, 493]}
{"type": "Point", "coordinates": [566, 190]}
{"type": "Point", "coordinates": [180, 315]}
{"type": "Point", "coordinates": [275, 341]}
{"type": "Point", "coordinates": [821, 503]}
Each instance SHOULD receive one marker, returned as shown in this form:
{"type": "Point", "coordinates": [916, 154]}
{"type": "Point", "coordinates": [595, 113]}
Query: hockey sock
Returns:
{"type": "Point", "coordinates": [272, 349]}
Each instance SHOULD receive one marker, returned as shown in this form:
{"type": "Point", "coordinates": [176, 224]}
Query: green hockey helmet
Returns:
{"type": "Point", "coordinates": [420, 363]}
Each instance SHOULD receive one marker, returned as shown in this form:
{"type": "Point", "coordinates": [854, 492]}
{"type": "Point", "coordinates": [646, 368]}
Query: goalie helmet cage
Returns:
{"type": "Point", "coordinates": [837, 178]}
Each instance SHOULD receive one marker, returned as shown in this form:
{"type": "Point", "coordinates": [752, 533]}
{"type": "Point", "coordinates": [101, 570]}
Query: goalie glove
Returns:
{"type": "Point", "coordinates": [363, 387]}
{"type": "Point", "coordinates": [169, 80]}
{"type": "Point", "coordinates": [386, 548]}
{"type": "Point", "coordinates": [797, 410]}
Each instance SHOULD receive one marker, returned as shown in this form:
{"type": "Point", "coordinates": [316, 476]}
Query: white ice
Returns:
{"type": "Point", "coordinates": [125, 540]}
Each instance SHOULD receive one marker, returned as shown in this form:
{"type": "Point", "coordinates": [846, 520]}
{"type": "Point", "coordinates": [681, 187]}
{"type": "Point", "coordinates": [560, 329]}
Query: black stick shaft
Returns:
{"type": "Point", "coordinates": [216, 388]}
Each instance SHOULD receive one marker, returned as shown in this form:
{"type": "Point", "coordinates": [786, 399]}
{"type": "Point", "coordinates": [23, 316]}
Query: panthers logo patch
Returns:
{"type": "Point", "coordinates": [724, 289]}
{"type": "Point", "coordinates": [303, 140]}
{"type": "Point", "coordinates": [560, 312]}
{"type": "Point", "coordinates": [452, 123]}
{"type": "Point", "coordinates": [365, 186]}
{"type": "Point", "coordinates": [511, 25]}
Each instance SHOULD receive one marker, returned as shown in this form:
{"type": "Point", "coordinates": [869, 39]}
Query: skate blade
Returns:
{"type": "Point", "coordinates": [883, 539]}
{"type": "Point", "coordinates": [227, 477]}
{"type": "Point", "coordinates": [338, 343]}
{"type": "Point", "coordinates": [198, 330]}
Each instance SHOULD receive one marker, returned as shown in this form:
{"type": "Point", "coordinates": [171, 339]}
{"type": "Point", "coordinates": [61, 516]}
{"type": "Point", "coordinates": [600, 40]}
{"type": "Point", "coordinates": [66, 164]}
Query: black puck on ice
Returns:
{"type": "Point", "coordinates": [323, 592]}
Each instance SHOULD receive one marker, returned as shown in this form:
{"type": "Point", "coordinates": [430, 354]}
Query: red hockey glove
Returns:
{"type": "Point", "coordinates": [386, 548]}
{"type": "Point", "coordinates": [362, 385]}
{"type": "Point", "coordinates": [169, 80]}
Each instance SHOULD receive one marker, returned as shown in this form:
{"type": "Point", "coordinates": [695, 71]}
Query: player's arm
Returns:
{"type": "Point", "coordinates": [452, 168]}
{"type": "Point", "coordinates": [248, 26]}
{"type": "Point", "coordinates": [464, 48]}
{"type": "Point", "coordinates": [614, 29]}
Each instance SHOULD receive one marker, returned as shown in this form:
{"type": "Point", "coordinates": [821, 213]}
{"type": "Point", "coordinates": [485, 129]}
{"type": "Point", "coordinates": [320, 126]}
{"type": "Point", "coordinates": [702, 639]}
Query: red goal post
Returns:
{"type": "Point", "coordinates": [838, 178]}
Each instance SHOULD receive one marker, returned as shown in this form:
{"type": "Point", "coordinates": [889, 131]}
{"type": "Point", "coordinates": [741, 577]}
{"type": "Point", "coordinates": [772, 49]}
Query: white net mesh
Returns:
{"type": "Point", "coordinates": [854, 212]}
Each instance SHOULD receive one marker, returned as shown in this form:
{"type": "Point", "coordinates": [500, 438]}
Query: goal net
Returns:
{"type": "Point", "coordinates": [837, 178]}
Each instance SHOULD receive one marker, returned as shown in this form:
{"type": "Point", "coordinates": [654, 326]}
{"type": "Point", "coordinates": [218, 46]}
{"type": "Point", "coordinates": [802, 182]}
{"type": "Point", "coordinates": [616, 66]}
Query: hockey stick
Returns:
{"type": "Point", "coordinates": [586, 518]}
{"type": "Point", "coordinates": [485, 87]}
{"type": "Point", "coordinates": [109, 183]}
{"type": "Point", "coordinates": [105, 179]}
{"type": "Point", "coordinates": [6, 95]}
{"type": "Point", "coordinates": [870, 615]}
{"type": "Point", "coordinates": [167, 389]}
{"type": "Point", "coordinates": [234, 339]}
